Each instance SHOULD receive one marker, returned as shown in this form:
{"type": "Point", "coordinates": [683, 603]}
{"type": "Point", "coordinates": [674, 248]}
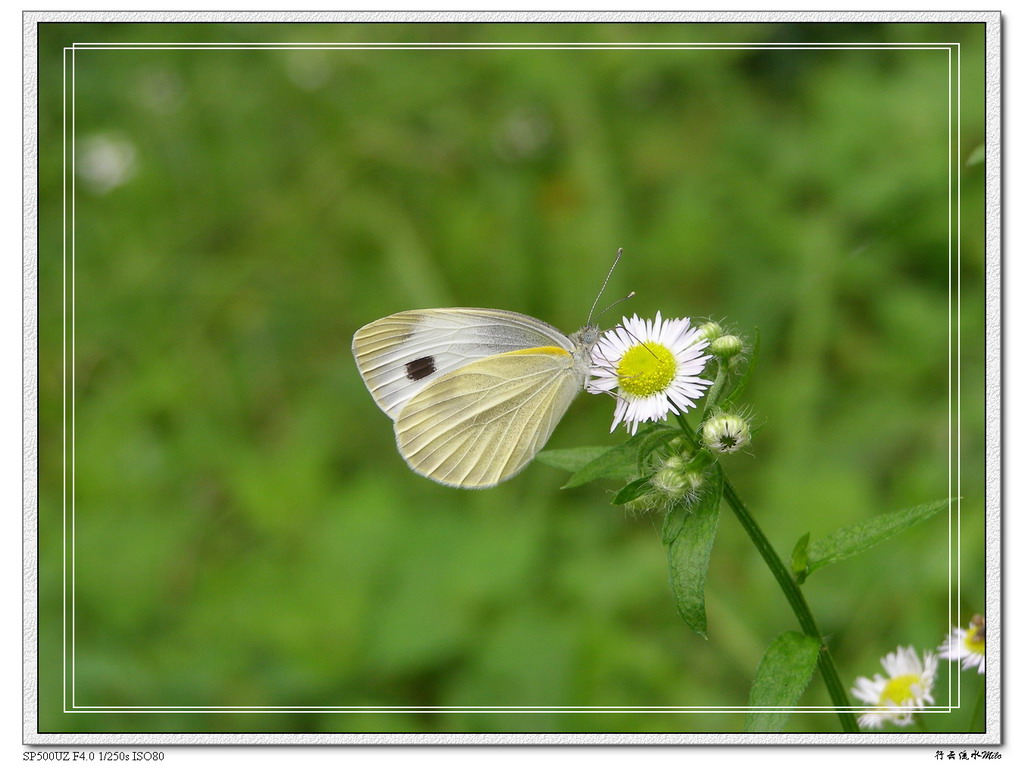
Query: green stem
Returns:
{"type": "Point", "coordinates": [715, 391]}
{"type": "Point", "coordinates": [793, 594]}
{"type": "Point", "coordinates": [978, 716]}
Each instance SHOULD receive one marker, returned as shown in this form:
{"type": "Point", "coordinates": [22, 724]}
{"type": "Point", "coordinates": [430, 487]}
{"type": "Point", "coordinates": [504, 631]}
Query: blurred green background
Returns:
{"type": "Point", "coordinates": [245, 532]}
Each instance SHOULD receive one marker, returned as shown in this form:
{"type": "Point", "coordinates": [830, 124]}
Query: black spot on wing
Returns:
{"type": "Point", "coordinates": [419, 369]}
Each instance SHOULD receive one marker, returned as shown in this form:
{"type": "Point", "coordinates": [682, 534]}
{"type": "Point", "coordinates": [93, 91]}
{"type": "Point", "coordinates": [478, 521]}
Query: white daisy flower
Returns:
{"type": "Point", "coordinates": [966, 645]}
{"type": "Point", "coordinates": [906, 690]}
{"type": "Point", "coordinates": [652, 368]}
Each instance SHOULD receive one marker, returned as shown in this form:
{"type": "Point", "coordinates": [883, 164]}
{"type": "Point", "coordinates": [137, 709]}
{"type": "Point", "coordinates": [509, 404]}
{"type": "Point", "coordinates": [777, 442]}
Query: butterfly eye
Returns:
{"type": "Point", "coordinates": [420, 368]}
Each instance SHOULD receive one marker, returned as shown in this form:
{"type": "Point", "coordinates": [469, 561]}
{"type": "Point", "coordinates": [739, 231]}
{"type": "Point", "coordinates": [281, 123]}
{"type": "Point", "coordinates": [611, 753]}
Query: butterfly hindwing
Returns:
{"type": "Point", "coordinates": [400, 355]}
{"type": "Point", "coordinates": [480, 424]}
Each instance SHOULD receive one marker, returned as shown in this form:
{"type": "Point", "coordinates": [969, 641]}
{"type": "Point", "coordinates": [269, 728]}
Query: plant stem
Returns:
{"type": "Point", "coordinates": [978, 716]}
{"type": "Point", "coordinates": [797, 602]}
{"type": "Point", "coordinates": [793, 594]}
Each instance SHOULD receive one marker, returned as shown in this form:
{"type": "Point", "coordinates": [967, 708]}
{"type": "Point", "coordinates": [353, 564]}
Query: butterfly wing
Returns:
{"type": "Point", "coordinates": [483, 422]}
{"type": "Point", "coordinates": [400, 355]}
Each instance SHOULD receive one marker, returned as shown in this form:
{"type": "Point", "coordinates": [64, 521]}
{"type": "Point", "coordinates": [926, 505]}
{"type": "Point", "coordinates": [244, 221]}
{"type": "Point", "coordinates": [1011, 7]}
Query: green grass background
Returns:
{"type": "Point", "coordinates": [244, 531]}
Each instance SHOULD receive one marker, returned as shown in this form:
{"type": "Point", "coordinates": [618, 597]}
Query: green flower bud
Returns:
{"type": "Point", "coordinates": [674, 481]}
{"type": "Point", "coordinates": [670, 478]}
{"type": "Point", "coordinates": [725, 347]}
{"type": "Point", "coordinates": [711, 330]}
{"type": "Point", "coordinates": [680, 448]}
{"type": "Point", "coordinates": [725, 433]}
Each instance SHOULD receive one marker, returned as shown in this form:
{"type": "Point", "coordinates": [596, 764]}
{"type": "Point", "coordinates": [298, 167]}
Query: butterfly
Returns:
{"type": "Point", "coordinates": [474, 393]}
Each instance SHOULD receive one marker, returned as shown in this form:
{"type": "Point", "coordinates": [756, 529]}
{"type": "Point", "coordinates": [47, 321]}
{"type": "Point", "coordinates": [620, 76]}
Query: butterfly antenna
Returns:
{"type": "Point", "coordinates": [629, 295]}
{"type": "Point", "coordinates": [604, 285]}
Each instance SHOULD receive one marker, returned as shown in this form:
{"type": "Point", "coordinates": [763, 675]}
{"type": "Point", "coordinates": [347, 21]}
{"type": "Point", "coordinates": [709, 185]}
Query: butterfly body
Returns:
{"type": "Point", "coordinates": [474, 393]}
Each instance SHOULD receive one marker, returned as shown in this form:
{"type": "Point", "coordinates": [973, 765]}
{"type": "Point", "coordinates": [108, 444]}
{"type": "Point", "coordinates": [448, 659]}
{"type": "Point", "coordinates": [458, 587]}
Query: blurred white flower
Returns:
{"type": "Point", "coordinates": [160, 90]}
{"type": "Point", "coordinates": [104, 162]}
{"type": "Point", "coordinates": [906, 690]}
{"type": "Point", "coordinates": [309, 69]}
{"type": "Point", "coordinates": [966, 645]}
{"type": "Point", "coordinates": [521, 135]}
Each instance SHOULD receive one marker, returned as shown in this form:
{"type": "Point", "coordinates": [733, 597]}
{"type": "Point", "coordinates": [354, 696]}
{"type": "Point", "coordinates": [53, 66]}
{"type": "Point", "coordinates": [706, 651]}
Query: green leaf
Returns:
{"type": "Point", "coordinates": [854, 539]}
{"type": "Point", "coordinates": [618, 462]}
{"type": "Point", "coordinates": [783, 674]}
{"type": "Point", "coordinates": [570, 459]}
{"type": "Point", "coordinates": [798, 560]}
{"type": "Point", "coordinates": [703, 458]}
{"type": "Point", "coordinates": [689, 533]}
{"type": "Point", "coordinates": [633, 490]}
{"type": "Point", "coordinates": [673, 526]}
{"type": "Point", "coordinates": [655, 437]}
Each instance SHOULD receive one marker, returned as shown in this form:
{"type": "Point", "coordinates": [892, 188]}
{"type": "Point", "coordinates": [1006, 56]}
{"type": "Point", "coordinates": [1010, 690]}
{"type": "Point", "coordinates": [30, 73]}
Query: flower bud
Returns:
{"type": "Point", "coordinates": [725, 347]}
{"type": "Point", "coordinates": [670, 477]}
{"type": "Point", "coordinates": [711, 330]}
{"type": "Point", "coordinates": [674, 481]}
{"type": "Point", "coordinates": [726, 433]}
{"type": "Point", "coordinates": [679, 447]}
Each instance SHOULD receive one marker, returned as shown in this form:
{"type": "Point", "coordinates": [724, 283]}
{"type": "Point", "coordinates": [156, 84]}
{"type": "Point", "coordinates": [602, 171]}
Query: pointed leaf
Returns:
{"type": "Point", "coordinates": [781, 678]}
{"type": "Point", "coordinates": [689, 533]}
{"type": "Point", "coordinates": [633, 490]}
{"type": "Point", "coordinates": [618, 462]}
{"type": "Point", "coordinates": [798, 560]}
{"type": "Point", "coordinates": [570, 459]}
{"type": "Point", "coordinates": [653, 438]}
{"type": "Point", "coordinates": [673, 526]}
{"type": "Point", "coordinates": [854, 539]}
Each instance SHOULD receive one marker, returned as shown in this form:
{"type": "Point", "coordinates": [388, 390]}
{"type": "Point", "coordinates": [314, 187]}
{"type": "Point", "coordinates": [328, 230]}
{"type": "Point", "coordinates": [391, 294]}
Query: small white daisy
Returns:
{"type": "Point", "coordinates": [906, 690]}
{"type": "Point", "coordinates": [651, 366]}
{"type": "Point", "coordinates": [966, 645]}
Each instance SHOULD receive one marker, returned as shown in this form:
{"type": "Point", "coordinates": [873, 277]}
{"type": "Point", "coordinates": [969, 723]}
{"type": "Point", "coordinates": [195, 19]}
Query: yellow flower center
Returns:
{"type": "Point", "coordinates": [646, 369]}
{"type": "Point", "coordinates": [899, 689]}
{"type": "Point", "coordinates": [975, 639]}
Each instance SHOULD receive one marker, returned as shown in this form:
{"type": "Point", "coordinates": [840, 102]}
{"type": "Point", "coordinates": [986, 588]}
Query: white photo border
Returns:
{"type": "Point", "coordinates": [992, 385]}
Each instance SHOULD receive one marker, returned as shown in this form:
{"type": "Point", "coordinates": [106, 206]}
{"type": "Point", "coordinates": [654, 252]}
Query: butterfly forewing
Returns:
{"type": "Point", "coordinates": [399, 355]}
{"type": "Point", "coordinates": [481, 423]}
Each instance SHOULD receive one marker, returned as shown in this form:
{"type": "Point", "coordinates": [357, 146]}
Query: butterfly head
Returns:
{"type": "Point", "coordinates": [587, 335]}
{"type": "Point", "coordinates": [583, 342]}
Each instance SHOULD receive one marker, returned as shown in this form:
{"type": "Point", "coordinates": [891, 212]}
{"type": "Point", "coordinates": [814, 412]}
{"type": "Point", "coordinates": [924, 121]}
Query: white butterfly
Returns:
{"type": "Point", "coordinates": [474, 393]}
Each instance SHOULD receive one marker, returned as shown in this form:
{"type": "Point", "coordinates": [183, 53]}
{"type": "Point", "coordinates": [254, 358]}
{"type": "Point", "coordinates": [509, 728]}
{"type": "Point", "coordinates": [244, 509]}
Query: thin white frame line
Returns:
{"type": "Point", "coordinates": [456, 44]}
{"type": "Point", "coordinates": [363, 47]}
{"type": "Point", "coordinates": [74, 592]}
{"type": "Point", "coordinates": [955, 677]}
{"type": "Point", "coordinates": [949, 361]}
{"type": "Point", "coordinates": [430, 712]}
{"type": "Point", "coordinates": [269, 46]}
{"type": "Point", "coordinates": [513, 710]}
{"type": "Point", "coordinates": [959, 558]}
{"type": "Point", "coordinates": [955, 390]}
{"type": "Point", "coordinates": [818, 710]}
{"type": "Point", "coordinates": [64, 381]}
